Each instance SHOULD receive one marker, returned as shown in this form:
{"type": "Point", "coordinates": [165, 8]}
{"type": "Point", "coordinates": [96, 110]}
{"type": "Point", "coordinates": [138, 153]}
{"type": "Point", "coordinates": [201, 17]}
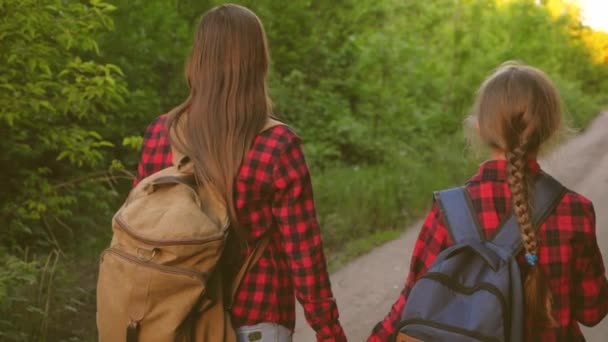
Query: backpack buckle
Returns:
{"type": "Point", "coordinates": [147, 255]}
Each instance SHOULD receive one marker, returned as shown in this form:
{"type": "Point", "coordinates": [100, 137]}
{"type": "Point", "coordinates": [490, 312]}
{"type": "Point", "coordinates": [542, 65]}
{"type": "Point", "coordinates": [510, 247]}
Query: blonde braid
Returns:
{"type": "Point", "coordinates": [538, 299]}
{"type": "Point", "coordinates": [518, 184]}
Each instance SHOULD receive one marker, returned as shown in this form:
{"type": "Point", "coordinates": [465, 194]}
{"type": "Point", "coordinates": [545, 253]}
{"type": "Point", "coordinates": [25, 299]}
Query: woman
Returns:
{"type": "Point", "coordinates": [517, 111]}
{"type": "Point", "coordinates": [262, 177]}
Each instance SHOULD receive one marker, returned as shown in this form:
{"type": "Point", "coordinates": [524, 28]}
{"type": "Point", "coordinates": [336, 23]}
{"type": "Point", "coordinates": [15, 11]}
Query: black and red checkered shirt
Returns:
{"type": "Point", "coordinates": [273, 193]}
{"type": "Point", "coordinates": [568, 254]}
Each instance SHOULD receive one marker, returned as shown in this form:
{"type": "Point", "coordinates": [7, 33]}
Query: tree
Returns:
{"type": "Point", "coordinates": [56, 104]}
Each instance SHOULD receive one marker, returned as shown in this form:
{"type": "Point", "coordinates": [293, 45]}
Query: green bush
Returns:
{"type": "Point", "coordinates": [57, 122]}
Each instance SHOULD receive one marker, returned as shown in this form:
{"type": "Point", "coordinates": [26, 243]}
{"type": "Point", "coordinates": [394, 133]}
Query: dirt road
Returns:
{"type": "Point", "coordinates": [367, 287]}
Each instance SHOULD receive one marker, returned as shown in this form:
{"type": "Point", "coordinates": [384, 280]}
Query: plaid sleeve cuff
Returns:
{"type": "Point", "coordinates": [331, 332]}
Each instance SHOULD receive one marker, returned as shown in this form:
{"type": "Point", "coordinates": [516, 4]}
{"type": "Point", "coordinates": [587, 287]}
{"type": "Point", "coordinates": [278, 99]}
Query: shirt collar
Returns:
{"type": "Point", "coordinates": [496, 170]}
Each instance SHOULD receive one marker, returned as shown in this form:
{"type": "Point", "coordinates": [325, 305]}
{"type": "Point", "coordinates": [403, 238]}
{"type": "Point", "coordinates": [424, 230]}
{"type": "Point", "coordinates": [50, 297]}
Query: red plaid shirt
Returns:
{"type": "Point", "coordinates": [568, 254]}
{"type": "Point", "coordinates": [273, 194]}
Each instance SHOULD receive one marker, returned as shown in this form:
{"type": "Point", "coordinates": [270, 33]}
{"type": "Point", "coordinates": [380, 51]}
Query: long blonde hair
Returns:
{"type": "Point", "coordinates": [228, 102]}
{"type": "Point", "coordinates": [517, 110]}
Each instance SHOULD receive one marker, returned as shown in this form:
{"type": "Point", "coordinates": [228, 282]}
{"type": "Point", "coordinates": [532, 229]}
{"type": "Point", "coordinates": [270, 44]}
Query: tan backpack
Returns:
{"type": "Point", "coordinates": [157, 280]}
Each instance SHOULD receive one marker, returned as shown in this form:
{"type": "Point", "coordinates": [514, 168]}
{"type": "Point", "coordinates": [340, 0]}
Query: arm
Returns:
{"type": "Point", "coordinates": [294, 211]}
{"type": "Point", "coordinates": [590, 285]}
{"type": "Point", "coordinates": [433, 239]}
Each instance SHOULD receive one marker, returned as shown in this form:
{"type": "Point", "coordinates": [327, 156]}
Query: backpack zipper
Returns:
{"type": "Point", "coordinates": [447, 281]}
{"type": "Point", "coordinates": [202, 276]}
{"type": "Point", "coordinates": [125, 227]}
{"type": "Point", "coordinates": [445, 327]}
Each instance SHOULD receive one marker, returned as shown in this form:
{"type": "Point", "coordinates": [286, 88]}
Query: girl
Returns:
{"type": "Point", "coordinates": [517, 110]}
{"type": "Point", "coordinates": [262, 177]}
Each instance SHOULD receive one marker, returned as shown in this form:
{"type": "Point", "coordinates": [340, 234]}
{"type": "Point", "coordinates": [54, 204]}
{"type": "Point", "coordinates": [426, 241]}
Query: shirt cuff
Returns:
{"type": "Point", "coordinates": [331, 332]}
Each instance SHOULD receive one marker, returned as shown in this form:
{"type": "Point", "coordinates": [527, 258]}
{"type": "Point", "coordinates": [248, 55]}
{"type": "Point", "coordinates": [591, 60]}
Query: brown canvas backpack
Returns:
{"type": "Point", "coordinates": [158, 280]}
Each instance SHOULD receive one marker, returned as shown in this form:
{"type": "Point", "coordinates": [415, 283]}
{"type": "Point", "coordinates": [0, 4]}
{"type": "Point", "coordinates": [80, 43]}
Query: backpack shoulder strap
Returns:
{"type": "Point", "coordinates": [251, 260]}
{"type": "Point", "coordinates": [458, 216]}
{"type": "Point", "coordinates": [548, 192]}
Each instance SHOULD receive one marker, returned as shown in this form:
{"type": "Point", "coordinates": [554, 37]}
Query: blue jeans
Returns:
{"type": "Point", "coordinates": [263, 332]}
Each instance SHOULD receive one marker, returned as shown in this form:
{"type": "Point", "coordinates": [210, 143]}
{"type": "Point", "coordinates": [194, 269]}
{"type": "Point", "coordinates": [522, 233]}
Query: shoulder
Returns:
{"type": "Point", "coordinates": [277, 140]}
{"type": "Point", "coordinates": [574, 213]}
{"type": "Point", "coordinates": [281, 151]}
{"type": "Point", "coordinates": [574, 197]}
{"type": "Point", "coordinates": [576, 204]}
{"type": "Point", "coordinates": [156, 133]}
{"type": "Point", "coordinates": [573, 203]}
{"type": "Point", "coordinates": [158, 125]}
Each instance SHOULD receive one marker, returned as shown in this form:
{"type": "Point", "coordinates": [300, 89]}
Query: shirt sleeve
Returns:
{"type": "Point", "coordinates": [156, 150]}
{"type": "Point", "coordinates": [433, 239]}
{"type": "Point", "coordinates": [141, 171]}
{"type": "Point", "coordinates": [294, 210]}
{"type": "Point", "coordinates": [590, 284]}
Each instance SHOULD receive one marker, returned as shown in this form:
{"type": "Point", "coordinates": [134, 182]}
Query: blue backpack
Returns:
{"type": "Point", "coordinates": [473, 291]}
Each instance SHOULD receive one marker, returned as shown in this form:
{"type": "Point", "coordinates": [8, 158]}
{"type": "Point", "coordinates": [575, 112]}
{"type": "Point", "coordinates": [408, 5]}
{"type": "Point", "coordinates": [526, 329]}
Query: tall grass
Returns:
{"type": "Point", "coordinates": [361, 207]}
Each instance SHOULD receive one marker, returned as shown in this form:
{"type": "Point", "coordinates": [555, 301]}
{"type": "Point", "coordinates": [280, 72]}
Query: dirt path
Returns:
{"type": "Point", "coordinates": [367, 287]}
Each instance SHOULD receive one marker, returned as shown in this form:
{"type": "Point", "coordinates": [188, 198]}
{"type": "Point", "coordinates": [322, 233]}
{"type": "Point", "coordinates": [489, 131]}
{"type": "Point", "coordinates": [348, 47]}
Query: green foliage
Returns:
{"type": "Point", "coordinates": [377, 90]}
{"type": "Point", "coordinates": [57, 105]}
{"type": "Point", "coordinates": [52, 110]}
